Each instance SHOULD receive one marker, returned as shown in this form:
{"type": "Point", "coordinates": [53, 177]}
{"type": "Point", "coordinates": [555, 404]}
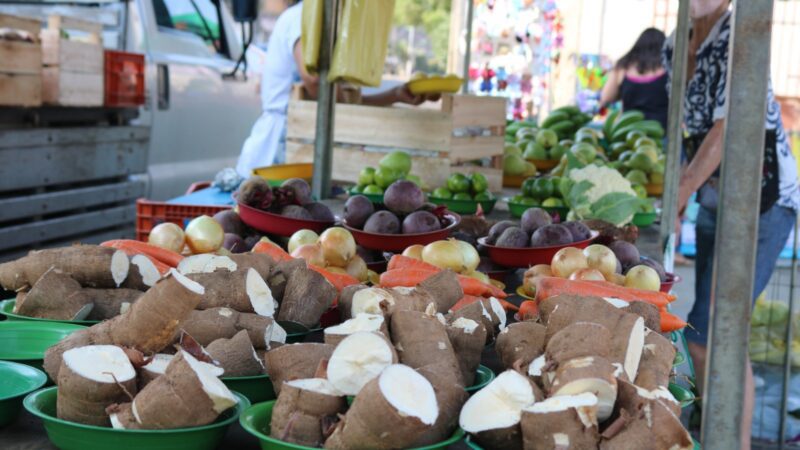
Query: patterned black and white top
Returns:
{"type": "Point", "coordinates": [705, 103]}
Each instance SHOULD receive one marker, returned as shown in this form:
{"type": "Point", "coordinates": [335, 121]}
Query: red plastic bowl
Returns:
{"type": "Point", "coordinates": [267, 222]}
{"type": "Point", "coordinates": [399, 242]}
{"type": "Point", "coordinates": [672, 278]}
{"type": "Point", "coordinates": [526, 257]}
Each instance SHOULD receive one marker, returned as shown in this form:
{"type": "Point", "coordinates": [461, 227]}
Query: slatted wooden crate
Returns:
{"type": "Point", "coordinates": [20, 64]}
{"type": "Point", "coordinates": [73, 68]}
{"type": "Point", "coordinates": [441, 141]}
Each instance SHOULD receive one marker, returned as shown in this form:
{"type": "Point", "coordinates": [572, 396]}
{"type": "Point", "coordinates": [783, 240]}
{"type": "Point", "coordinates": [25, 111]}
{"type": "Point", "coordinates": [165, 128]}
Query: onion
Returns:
{"type": "Point", "coordinates": [444, 255]}
{"type": "Point", "coordinates": [312, 253]}
{"type": "Point", "coordinates": [167, 235]}
{"type": "Point", "coordinates": [204, 235]}
{"type": "Point", "coordinates": [415, 251]}
{"type": "Point", "coordinates": [469, 254]}
{"type": "Point", "coordinates": [617, 279]}
{"type": "Point", "coordinates": [587, 275]}
{"type": "Point", "coordinates": [601, 258]}
{"type": "Point", "coordinates": [334, 269]}
{"type": "Point", "coordinates": [373, 277]}
{"type": "Point", "coordinates": [357, 268]}
{"type": "Point", "coordinates": [480, 276]}
{"type": "Point", "coordinates": [533, 274]}
{"type": "Point", "coordinates": [302, 237]}
{"type": "Point", "coordinates": [643, 277]}
{"type": "Point", "coordinates": [568, 260]}
{"type": "Point", "coordinates": [338, 246]}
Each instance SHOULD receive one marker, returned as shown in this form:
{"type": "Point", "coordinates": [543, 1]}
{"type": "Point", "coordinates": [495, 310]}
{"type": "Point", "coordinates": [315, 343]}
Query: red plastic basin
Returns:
{"type": "Point", "coordinates": [526, 257]}
{"type": "Point", "coordinates": [267, 222]}
{"type": "Point", "coordinates": [672, 278]}
{"type": "Point", "coordinates": [399, 242]}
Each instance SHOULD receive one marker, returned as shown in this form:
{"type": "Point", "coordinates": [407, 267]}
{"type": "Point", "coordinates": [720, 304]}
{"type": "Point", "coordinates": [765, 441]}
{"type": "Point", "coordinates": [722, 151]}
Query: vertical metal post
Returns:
{"type": "Point", "coordinates": [323, 142]}
{"type": "Point", "coordinates": [787, 359]}
{"type": "Point", "coordinates": [468, 42]}
{"type": "Point", "coordinates": [737, 224]}
{"type": "Point", "coordinates": [669, 199]}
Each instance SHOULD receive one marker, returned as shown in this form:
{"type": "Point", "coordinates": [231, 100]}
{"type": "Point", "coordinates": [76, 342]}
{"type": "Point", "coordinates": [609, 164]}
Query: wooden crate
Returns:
{"type": "Point", "coordinates": [73, 69]}
{"type": "Point", "coordinates": [20, 65]}
{"type": "Point", "coordinates": [465, 128]}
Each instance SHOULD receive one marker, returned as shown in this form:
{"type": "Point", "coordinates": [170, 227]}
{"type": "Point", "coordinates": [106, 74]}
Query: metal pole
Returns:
{"type": "Point", "coordinates": [787, 359]}
{"type": "Point", "coordinates": [323, 142]}
{"type": "Point", "coordinates": [468, 42]}
{"type": "Point", "coordinates": [669, 199]}
{"type": "Point", "coordinates": [737, 225]}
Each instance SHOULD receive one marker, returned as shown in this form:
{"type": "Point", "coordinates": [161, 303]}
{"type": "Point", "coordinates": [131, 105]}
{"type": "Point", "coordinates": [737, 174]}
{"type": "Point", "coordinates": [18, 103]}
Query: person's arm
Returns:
{"type": "Point", "coordinates": [310, 82]}
{"type": "Point", "coordinates": [610, 92]}
{"type": "Point", "coordinates": [398, 94]}
{"type": "Point", "coordinates": [703, 165]}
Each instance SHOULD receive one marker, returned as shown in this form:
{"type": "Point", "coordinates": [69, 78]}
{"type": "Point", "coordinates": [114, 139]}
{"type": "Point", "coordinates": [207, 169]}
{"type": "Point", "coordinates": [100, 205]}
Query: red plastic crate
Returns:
{"type": "Point", "coordinates": [124, 79]}
{"type": "Point", "coordinates": [150, 213]}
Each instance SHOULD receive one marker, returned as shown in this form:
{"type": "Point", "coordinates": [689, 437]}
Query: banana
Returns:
{"type": "Point", "coordinates": [569, 110]}
{"type": "Point", "coordinates": [608, 126]}
{"type": "Point", "coordinates": [651, 128]}
{"type": "Point", "coordinates": [554, 117]}
{"type": "Point", "coordinates": [627, 118]}
{"type": "Point", "coordinates": [564, 126]}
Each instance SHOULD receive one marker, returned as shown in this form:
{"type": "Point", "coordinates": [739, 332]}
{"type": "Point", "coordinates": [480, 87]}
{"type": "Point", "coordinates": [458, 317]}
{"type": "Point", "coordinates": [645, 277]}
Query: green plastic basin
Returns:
{"type": "Point", "coordinates": [518, 209]}
{"type": "Point", "coordinates": [684, 396]}
{"type": "Point", "coordinates": [475, 446]}
{"type": "Point", "coordinates": [644, 219]}
{"type": "Point", "coordinates": [483, 377]}
{"type": "Point", "coordinates": [7, 309]}
{"type": "Point", "coordinates": [373, 198]}
{"type": "Point", "coordinates": [465, 206]}
{"type": "Point", "coordinates": [16, 381]}
{"type": "Point", "coordinates": [257, 388]}
{"type": "Point", "coordinates": [25, 341]}
{"type": "Point", "coordinates": [256, 421]}
{"type": "Point", "coordinates": [75, 436]}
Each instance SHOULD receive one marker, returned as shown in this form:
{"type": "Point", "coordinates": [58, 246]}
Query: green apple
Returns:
{"type": "Point", "coordinates": [462, 196]}
{"type": "Point", "coordinates": [546, 138]}
{"type": "Point", "coordinates": [385, 176]}
{"type": "Point", "coordinates": [478, 182]}
{"type": "Point", "coordinates": [366, 176]}
{"type": "Point", "coordinates": [397, 160]}
{"type": "Point", "coordinates": [458, 182]}
{"type": "Point", "coordinates": [373, 189]}
{"type": "Point", "coordinates": [484, 196]}
{"type": "Point", "coordinates": [442, 192]}
{"type": "Point", "coordinates": [553, 202]}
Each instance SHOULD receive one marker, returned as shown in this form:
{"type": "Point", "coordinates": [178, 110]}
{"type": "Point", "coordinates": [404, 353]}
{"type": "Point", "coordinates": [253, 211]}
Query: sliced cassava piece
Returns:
{"type": "Point", "coordinates": [590, 374]}
{"type": "Point", "coordinates": [389, 413]}
{"type": "Point", "coordinates": [158, 365]}
{"type": "Point", "coordinates": [295, 361]}
{"type": "Point", "coordinates": [261, 262]}
{"type": "Point", "coordinates": [653, 427]}
{"type": "Point", "coordinates": [189, 394]}
{"type": "Point", "coordinates": [90, 379]}
{"type": "Point", "coordinates": [361, 322]}
{"type": "Point", "coordinates": [280, 273]}
{"type": "Point", "coordinates": [421, 340]}
{"type": "Point", "coordinates": [148, 326]}
{"type": "Point", "coordinates": [477, 312]}
{"type": "Point", "coordinates": [306, 298]}
{"type": "Point", "coordinates": [358, 359]}
{"type": "Point", "coordinates": [520, 343]}
{"type": "Point", "coordinates": [241, 290]}
{"type": "Point", "coordinates": [492, 415]}
{"type": "Point", "coordinates": [89, 265]}
{"type": "Point", "coordinates": [655, 367]}
{"type": "Point", "coordinates": [450, 396]}
{"type": "Point", "coordinates": [468, 338]}
{"type": "Point", "coordinates": [109, 303]}
{"type": "Point", "coordinates": [578, 340]}
{"type": "Point", "coordinates": [206, 326]}
{"type": "Point", "coordinates": [633, 398]}
{"type": "Point", "coordinates": [236, 356]}
{"type": "Point", "coordinates": [561, 422]}
{"type": "Point", "coordinates": [53, 296]}
{"type": "Point", "coordinates": [346, 300]}
{"type": "Point", "coordinates": [142, 275]}
{"type": "Point", "coordinates": [303, 408]}
{"type": "Point", "coordinates": [445, 290]}
{"type": "Point", "coordinates": [387, 301]}
{"type": "Point", "coordinates": [648, 312]}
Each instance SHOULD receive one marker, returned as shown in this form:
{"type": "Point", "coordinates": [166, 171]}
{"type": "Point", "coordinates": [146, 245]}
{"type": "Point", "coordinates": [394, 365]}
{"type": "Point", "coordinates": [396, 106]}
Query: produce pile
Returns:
{"type": "Point", "coordinates": [464, 187]}
{"type": "Point", "coordinates": [292, 199]}
{"type": "Point", "coordinates": [547, 192]}
{"type": "Point", "coordinates": [392, 167]}
{"type": "Point", "coordinates": [334, 250]}
{"type": "Point", "coordinates": [536, 229]}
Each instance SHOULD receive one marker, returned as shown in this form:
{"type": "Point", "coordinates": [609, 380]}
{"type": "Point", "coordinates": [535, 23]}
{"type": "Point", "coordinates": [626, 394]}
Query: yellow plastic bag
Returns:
{"type": "Point", "coordinates": [361, 41]}
{"type": "Point", "coordinates": [311, 33]}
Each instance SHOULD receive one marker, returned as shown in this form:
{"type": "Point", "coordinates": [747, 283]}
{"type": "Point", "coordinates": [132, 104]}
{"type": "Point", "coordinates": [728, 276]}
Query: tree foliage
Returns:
{"type": "Point", "coordinates": [433, 16]}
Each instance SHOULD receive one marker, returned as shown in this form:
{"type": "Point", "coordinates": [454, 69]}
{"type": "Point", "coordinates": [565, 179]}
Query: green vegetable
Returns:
{"type": "Point", "coordinates": [602, 193]}
{"type": "Point", "coordinates": [478, 182]}
{"type": "Point", "coordinates": [442, 192]}
{"type": "Point", "coordinates": [458, 182]}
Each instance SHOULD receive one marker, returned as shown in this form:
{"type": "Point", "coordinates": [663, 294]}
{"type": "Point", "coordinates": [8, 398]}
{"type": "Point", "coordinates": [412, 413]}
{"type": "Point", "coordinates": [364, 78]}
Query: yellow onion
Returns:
{"type": "Point", "coordinates": [568, 260]}
{"type": "Point", "coordinates": [587, 275]}
{"type": "Point", "coordinates": [334, 269]}
{"type": "Point", "coordinates": [167, 235]}
{"type": "Point", "coordinates": [601, 258]}
{"type": "Point", "coordinates": [373, 277]}
{"type": "Point", "coordinates": [444, 255]}
{"type": "Point", "coordinates": [357, 268]}
{"type": "Point", "coordinates": [533, 274]}
{"type": "Point", "coordinates": [338, 246]}
{"type": "Point", "coordinates": [480, 276]}
{"type": "Point", "coordinates": [469, 254]}
{"type": "Point", "coordinates": [414, 251]}
{"type": "Point", "coordinates": [302, 237]}
{"type": "Point", "coordinates": [312, 253]}
{"type": "Point", "coordinates": [204, 235]}
{"type": "Point", "coordinates": [643, 277]}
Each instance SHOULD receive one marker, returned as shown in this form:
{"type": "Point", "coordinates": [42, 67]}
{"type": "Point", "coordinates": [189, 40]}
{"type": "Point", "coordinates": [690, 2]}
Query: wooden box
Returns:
{"type": "Point", "coordinates": [20, 64]}
{"type": "Point", "coordinates": [73, 69]}
{"type": "Point", "coordinates": [465, 128]}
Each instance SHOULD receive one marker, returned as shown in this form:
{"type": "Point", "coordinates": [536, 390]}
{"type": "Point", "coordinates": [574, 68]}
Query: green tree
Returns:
{"type": "Point", "coordinates": [433, 16]}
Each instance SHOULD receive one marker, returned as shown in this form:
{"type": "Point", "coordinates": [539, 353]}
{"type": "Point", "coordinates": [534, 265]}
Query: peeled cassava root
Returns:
{"type": "Point", "coordinates": [358, 359]}
{"type": "Point", "coordinates": [303, 408]}
{"type": "Point", "coordinates": [90, 379]}
{"type": "Point", "coordinates": [148, 326]}
{"type": "Point", "coordinates": [242, 290]}
{"type": "Point", "coordinates": [468, 339]}
{"type": "Point", "coordinates": [520, 343]}
{"type": "Point", "coordinates": [421, 340]}
{"type": "Point", "coordinates": [561, 422]}
{"type": "Point", "coordinates": [295, 361]}
{"type": "Point", "coordinates": [236, 356]}
{"type": "Point", "coordinates": [361, 322]}
{"type": "Point", "coordinates": [208, 325]}
{"type": "Point", "coordinates": [187, 395]}
{"type": "Point", "coordinates": [390, 412]}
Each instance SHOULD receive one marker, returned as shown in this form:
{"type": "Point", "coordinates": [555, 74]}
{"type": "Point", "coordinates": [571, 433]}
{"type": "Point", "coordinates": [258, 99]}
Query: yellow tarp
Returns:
{"type": "Point", "coordinates": [361, 43]}
{"type": "Point", "coordinates": [310, 34]}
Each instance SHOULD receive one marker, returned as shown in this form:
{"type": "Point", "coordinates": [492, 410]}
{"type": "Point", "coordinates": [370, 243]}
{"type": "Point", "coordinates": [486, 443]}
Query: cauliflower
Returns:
{"type": "Point", "coordinates": [600, 192]}
{"type": "Point", "coordinates": [604, 179]}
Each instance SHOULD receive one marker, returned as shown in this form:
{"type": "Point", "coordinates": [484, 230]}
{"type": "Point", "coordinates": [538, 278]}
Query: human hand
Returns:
{"type": "Point", "coordinates": [404, 95]}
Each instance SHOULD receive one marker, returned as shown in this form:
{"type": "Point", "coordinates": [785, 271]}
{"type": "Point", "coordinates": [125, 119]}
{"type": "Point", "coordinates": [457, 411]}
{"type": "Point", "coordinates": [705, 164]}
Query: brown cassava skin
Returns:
{"type": "Point", "coordinates": [578, 340]}
{"type": "Point", "coordinates": [421, 340]}
{"type": "Point", "coordinates": [648, 312]}
{"type": "Point", "coordinates": [53, 296]}
{"type": "Point", "coordinates": [89, 265]}
{"type": "Point", "coordinates": [468, 348]}
{"type": "Point", "coordinates": [520, 342]}
{"type": "Point", "coordinates": [208, 325]}
{"type": "Point", "coordinates": [224, 289]}
{"type": "Point", "coordinates": [629, 399]}
{"type": "Point", "coordinates": [474, 311]}
{"type": "Point", "coordinates": [570, 371]}
{"type": "Point", "coordinates": [307, 296]}
{"type": "Point", "coordinates": [109, 303]}
{"type": "Point", "coordinates": [665, 433]}
{"type": "Point", "coordinates": [372, 423]}
{"type": "Point", "coordinates": [538, 430]}
{"type": "Point", "coordinates": [295, 361]}
{"type": "Point", "coordinates": [280, 273]}
{"type": "Point", "coordinates": [656, 364]}
{"type": "Point", "coordinates": [508, 438]}
{"type": "Point", "coordinates": [146, 376]}
{"type": "Point", "coordinates": [148, 326]}
{"type": "Point", "coordinates": [135, 280]}
{"type": "Point", "coordinates": [445, 290]}
{"type": "Point", "coordinates": [346, 300]}
{"type": "Point", "coordinates": [236, 356]}
{"type": "Point", "coordinates": [409, 299]}
{"type": "Point", "coordinates": [450, 396]}
{"type": "Point", "coordinates": [84, 401]}
{"type": "Point", "coordinates": [261, 262]}
{"type": "Point", "coordinates": [335, 339]}
{"type": "Point", "coordinates": [298, 414]}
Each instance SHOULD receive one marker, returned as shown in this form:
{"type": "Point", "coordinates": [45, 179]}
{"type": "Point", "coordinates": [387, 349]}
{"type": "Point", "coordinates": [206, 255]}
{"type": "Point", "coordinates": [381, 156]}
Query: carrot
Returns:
{"type": "Point", "coordinates": [162, 268]}
{"type": "Point", "coordinates": [167, 257]}
{"type": "Point", "coordinates": [547, 287]}
{"type": "Point", "coordinates": [412, 277]}
{"type": "Point", "coordinates": [338, 280]}
{"type": "Point", "coordinates": [528, 310]}
{"type": "Point", "coordinates": [671, 322]}
{"type": "Point", "coordinates": [277, 253]}
{"type": "Point", "coordinates": [404, 262]}
{"type": "Point", "coordinates": [465, 301]}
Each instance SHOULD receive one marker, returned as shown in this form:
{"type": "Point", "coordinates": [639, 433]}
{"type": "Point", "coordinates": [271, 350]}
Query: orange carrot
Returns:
{"type": "Point", "coordinates": [465, 301]}
{"type": "Point", "coordinates": [671, 322]}
{"type": "Point", "coordinates": [405, 262]}
{"type": "Point", "coordinates": [162, 268]}
{"type": "Point", "coordinates": [167, 257]}
{"type": "Point", "coordinates": [277, 253]}
{"type": "Point", "coordinates": [338, 280]}
{"type": "Point", "coordinates": [412, 277]}
{"type": "Point", "coordinates": [547, 287]}
{"type": "Point", "coordinates": [528, 310]}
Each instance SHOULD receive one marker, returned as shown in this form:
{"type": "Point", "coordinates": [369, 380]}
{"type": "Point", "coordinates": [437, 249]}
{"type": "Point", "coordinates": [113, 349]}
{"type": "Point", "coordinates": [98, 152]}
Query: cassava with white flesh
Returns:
{"type": "Point", "coordinates": [421, 340]}
{"type": "Point", "coordinates": [361, 322]}
{"type": "Point", "coordinates": [142, 275]}
{"type": "Point", "coordinates": [656, 364]}
{"type": "Point", "coordinates": [90, 379]}
{"type": "Point", "coordinates": [346, 300]}
{"type": "Point", "coordinates": [648, 312]}
{"type": "Point", "coordinates": [387, 301]}
{"type": "Point", "coordinates": [206, 263]}
{"type": "Point", "coordinates": [390, 412]}
{"type": "Point", "coordinates": [590, 374]}
{"type": "Point", "coordinates": [295, 361]}
{"type": "Point", "coordinates": [306, 298]}
{"type": "Point", "coordinates": [54, 296]}
{"type": "Point", "coordinates": [303, 408]}
{"type": "Point", "coordinates": [208, 325]}
{"type": "Point", "coordinates": [468, 338]}
{"type": "Point", "coordinates": [445, 290]}
{"type": "Point", "coordinates": [520, 343]}
{"type": "Point", "coordinates": [261, 262]}
{"type": "Point", "coordinates": [242, 290]}
{"type": "Point", "coordinates": [476, 312]}
{"type": "Point", "coordinates": [236, 356]}
{"type": "Point", "coordinates": [562, 422]}
{"type": "Point", "coordinates": [450, 396]}
{"type": "Point", "coordinates": [358, 359]}
{"type": "Point", "coordinates": [158, 364]}
{"type": "Point", "coordinates": [631, 397]}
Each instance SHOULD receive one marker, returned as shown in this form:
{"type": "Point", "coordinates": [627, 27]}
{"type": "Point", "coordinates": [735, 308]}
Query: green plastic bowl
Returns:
{"type": "Point", "coordinates": [7, 309]}
{"type": "Point", "coordinates": [257, 388]}
{"type": "Point", "coordinates": [16, 381]}
{"type": "Point", "coordinates": [25, 341]}
{"type": "Point", "coordinates": [483, 377]}
{"type": "Point", "coordinates": [644, 219]}
{"type": "Point", "coordinates": [475, 446]}
{"type": "Point", "coordinates": [465, 206]}
{"type": "Point", "coordinates": [684, 396]}
{"type": "Point", "coordinates": [256, 421]}
{"type": "Point", "coordinates": [518, 209]}
{"type": "Point", "coordinates": [75, 436]}
{"type": "Point", "coordinates": [374, 198]}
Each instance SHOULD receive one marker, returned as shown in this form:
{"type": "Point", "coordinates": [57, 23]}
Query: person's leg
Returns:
{"type": "Point", "coordinates": [697, 336]}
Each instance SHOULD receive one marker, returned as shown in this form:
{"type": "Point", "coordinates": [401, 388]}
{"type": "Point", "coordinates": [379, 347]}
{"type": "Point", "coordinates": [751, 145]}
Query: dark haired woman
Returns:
{"type": "Point", "coordinates": [639, 79]}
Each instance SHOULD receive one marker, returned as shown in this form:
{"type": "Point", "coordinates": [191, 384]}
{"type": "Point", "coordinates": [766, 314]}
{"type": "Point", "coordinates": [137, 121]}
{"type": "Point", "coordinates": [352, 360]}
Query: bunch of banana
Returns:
{"type": "Point", "coordinates": [565, 121]}
{"type": "Point", "coordinates": [618, 125]}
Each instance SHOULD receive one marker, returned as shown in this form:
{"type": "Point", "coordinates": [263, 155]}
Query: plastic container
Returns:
{"type": "Point", "coordinates": [150, 213]}
{"type": "Point", "coordinates": [16, 381]}
{"type": "Point", "coordinates": [257, 388]}
{"type": "Point", "coordinates": [644, 219]}
{"type": "Point", "coordinates": [124, 79]}
{"type": "Point", "coordinates": [75, 436]}
{"type": "Point", "coordinates": [399, 242]}
{"type": "Point", "coordinates": [435, 85]}
{"type": "Point", "coordinates": [277, 174]}
{"type": "Point", "coordinates": [26, 341]}
{"type": "Point", "coordinates": [544, 164]}
{"type": "Point", "coordinates": [671, 279]}
{"type": "Point", "coordinates": [483, 377]}
{"type": "Point", "coordinates": [256, 421]}
{"type": "Point", "coordinates": [526, 257]}
{"type": "Point", "coordinates": [376, 199]}
{"type": "Point", "coordinates": [465, 206]}
{"type": "Point", "coordinates": [518, 209]}
{"type": "Point", "coordinates": [7, 309]}
{"type": "Point", "coordinates": [268, 222]}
